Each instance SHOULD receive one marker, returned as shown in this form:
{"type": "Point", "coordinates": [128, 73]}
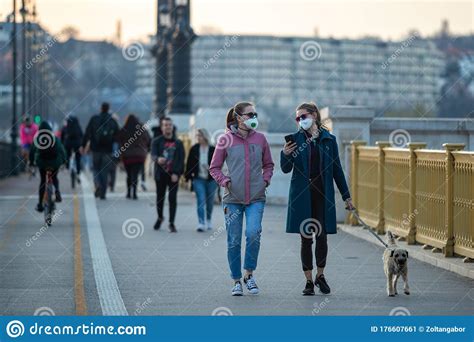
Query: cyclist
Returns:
{"type": "Point", "coordinates": [71, 137]}
{"type": "Point", "coordinates": [28, 130]}
{"type": "Point", "coordinates": [47, 153]}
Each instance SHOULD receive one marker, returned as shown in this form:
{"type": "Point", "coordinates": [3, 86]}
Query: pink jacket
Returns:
{"type": "Point", "coordinates": [249, 165]}
{"type": "Point", "coordinates": [27, 134]}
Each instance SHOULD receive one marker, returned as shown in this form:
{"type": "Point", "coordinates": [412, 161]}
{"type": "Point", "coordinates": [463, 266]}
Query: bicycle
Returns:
{"type": "Point", "coordinates": [48, 202]}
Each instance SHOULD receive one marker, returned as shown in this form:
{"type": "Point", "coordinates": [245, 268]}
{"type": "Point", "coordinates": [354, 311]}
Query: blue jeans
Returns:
{"type": "Point", "coordinates": [234, 214]}
{"type": "Point", "coordinates": [205, 192]}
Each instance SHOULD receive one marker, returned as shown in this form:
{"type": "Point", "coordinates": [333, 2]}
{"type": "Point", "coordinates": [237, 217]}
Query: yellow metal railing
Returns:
{"type": "Point", "coordinates": [420, 195]}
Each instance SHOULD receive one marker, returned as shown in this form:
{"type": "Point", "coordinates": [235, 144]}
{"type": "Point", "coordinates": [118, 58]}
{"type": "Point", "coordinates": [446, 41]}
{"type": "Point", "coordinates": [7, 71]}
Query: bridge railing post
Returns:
{"type": "Point", "coordinates": [380, 228]}
{"type": "Point", "coordinates": [412, 146]}
{"type": "Point", "coordinates": [354, 176]}
{"type": "Point", "coordinates": [449, 204]}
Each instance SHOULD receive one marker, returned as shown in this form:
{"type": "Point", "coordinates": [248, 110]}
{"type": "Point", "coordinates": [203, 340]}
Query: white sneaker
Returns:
{"type": "Point", "coordinates": [209, 225]}
{"type": "Point", "coordinates": [200, 228]}
{"type": "Point", "coordinates": [251, 285]}
{"type": "Point", "coordinates": [237, 289]}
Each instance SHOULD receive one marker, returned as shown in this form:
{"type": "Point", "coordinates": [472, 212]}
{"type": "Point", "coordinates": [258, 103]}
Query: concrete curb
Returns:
{"type": "Point", "coordinates": [455, 265]}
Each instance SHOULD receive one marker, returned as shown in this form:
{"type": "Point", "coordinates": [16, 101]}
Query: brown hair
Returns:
{"type": "Point", "coordinates": [313, 109]}
{"type": "Point", "coordinates": [237, 109]}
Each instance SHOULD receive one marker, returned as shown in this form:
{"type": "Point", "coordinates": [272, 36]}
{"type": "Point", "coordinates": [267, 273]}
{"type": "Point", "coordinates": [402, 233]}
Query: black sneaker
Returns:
{"type": "Point", "coordinates": [309, 288]}
{"type": "Point", "coordinates": [39, 208]}
{"type": "Point", "coordinates": [172, 228]}
{"type": "Point", "coordinates": [58, 197]}
{"type": "Point", "coordinates": [321, 283]}
{"type": "Point", "coordinates": [158, 223]}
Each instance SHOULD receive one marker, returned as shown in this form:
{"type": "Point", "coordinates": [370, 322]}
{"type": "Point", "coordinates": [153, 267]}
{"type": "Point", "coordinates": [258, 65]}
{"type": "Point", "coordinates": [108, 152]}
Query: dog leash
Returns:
{"type": "Point", "coordinates": [356, 214]}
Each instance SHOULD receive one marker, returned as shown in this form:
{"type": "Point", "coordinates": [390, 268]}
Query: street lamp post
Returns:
{"type": "Point", "coordinates": [13, 131]}
{"type": "Point", "coordinates": [23, 12]}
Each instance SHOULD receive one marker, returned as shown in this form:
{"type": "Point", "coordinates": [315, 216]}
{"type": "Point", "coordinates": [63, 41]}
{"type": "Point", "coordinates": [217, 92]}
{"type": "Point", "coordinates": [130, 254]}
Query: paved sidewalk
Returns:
{"type": "Point", "coordinates": [159, 273]}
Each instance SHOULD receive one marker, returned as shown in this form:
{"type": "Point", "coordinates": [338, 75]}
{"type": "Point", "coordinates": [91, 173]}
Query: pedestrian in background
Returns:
{"type": "Point", "coordinates": [313, 156]}
{"type": "Point", "coordinates": [167, 153]}
{"type": "Point", "coordinates": [197, 171]}
{"type": "Point", "coordinates": [134, 142]}
{"type": "Point", "coordinates": [249, 169]}
{"type": "Point", "coordinates": [71, 137]}
{"type": "Point", "coordinates": [101, 132]}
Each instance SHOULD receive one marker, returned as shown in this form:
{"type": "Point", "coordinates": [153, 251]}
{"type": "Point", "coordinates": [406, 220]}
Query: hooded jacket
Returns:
{"type": "Point", "coordinates": [47, 151]}
{"type": "Point", "coordinates": [249, 165]}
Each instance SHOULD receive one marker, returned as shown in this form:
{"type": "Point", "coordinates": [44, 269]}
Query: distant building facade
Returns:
{"type": "Point", "coordinates": [278, 73]}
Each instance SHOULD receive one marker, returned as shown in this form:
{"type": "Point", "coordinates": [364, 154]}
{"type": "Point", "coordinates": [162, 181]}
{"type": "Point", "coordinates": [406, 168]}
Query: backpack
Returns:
{"type": "Point", "coordinates": [48, 153]}
{"type": "Point", "coordinates": [106, 130]}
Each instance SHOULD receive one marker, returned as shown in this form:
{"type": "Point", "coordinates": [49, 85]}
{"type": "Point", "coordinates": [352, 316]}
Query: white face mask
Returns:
{"type": "Point", "coordinates": [251, 123]}
{"type": "Point", "coordinates": [306, 123]}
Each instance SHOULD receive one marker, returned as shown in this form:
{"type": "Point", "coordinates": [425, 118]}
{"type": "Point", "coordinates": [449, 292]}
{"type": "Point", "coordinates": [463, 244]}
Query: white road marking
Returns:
{"type": "Point", "coordinates": [110, 298]}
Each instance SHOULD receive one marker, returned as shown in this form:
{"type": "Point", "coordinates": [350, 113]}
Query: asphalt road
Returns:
{"type": "Point", "coordinates": [103, 257]}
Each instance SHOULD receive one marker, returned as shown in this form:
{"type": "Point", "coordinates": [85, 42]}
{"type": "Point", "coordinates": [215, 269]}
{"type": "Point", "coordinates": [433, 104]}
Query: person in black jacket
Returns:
{"type": "Point", "coordinates": [197, 170]}
{"type": "Point", "coordinates": [71, 137]}
{"type": "Point", "coordinates": [167, 152]}
{"type": "Point", "coordinates": [101, 132]}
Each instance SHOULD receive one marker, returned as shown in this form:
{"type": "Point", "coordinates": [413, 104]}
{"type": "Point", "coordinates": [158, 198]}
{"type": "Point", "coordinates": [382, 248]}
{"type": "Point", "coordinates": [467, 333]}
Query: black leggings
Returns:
{"type": "Point", "coordinates": [132, 170]}
{"type": "Point", "coordinates": [161, 184]}
{"type": "Point", "coordinates": [321, 248]}
{"type": "Point", "coordinates": [43, 183]}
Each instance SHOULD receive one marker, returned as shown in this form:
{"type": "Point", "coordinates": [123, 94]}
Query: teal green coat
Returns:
{"type": "Point", "coordinates": [55, 163]}
{"type": "Point", "coordinates": [299, 200]}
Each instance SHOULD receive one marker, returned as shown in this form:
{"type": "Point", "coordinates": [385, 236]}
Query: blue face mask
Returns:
{"type": "Point", "coordinates": [306, 123]}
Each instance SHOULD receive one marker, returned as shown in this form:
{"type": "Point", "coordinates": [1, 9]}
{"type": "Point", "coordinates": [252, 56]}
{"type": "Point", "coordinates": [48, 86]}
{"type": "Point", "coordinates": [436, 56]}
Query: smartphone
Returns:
{"type": "Point", "coordinates": [289, 138]}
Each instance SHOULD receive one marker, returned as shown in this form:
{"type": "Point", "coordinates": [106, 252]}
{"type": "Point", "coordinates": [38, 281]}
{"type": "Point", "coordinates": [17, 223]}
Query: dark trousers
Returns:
{"type": "Point", "coordinates": [163, 182]}
{"type": "Point", "coordinates": [321, 249]}
{"type": "Point", "coordinates": [133, 170]}
{"type": "Point", "coordinates": [42, 186]}
{"type": "Point", "coordinates": [101, 163]}
{"type": "Point", "coordinates": [69, 151]}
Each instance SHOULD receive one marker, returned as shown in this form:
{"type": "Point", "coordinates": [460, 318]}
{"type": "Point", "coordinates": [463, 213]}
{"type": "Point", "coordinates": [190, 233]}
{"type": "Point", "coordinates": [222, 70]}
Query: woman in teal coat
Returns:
{"type": "Point", "coordinates": [312, 155]}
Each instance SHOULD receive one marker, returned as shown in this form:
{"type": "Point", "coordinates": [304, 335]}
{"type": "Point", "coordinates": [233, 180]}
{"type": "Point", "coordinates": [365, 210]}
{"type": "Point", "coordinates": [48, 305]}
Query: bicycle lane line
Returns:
{"type": "Point", "coordinates": [79, 294]}
{"type": "Point", "coordinates": [111, 301]}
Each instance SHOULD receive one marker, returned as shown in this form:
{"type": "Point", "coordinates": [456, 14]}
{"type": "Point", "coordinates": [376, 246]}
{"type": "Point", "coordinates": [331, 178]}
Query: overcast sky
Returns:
{"type": "Point", "coordinates": [96, 19]}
